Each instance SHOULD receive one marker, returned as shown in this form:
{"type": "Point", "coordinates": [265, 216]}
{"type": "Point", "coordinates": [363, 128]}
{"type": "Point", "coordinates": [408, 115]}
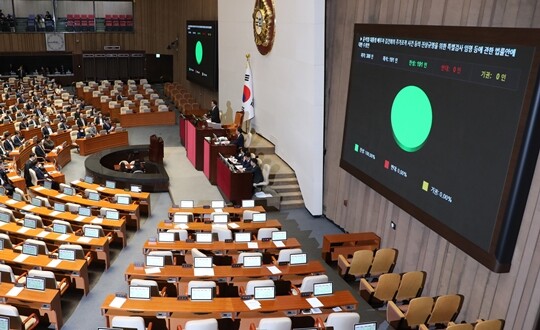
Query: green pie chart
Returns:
{"type": "Point", "coordinates": [411, 118]}
{"type": "Point", "coordinates": [198, 52]}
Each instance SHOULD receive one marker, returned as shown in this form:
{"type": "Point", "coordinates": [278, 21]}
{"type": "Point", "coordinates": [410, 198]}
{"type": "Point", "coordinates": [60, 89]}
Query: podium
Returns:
{"type": "Point", "coordinates": [155, 152]}
{"type": "Point", "coordinates": [211, 157]}
{"type": "Point", "coordinates": [234, 186]}
{"type": "Point", "coordinates": [195, 134]}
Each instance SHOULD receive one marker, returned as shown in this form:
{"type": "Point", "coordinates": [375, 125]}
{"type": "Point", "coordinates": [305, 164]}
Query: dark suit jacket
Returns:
{"type": "Point", "coordinates": [45, 130]}
{"type": "Point", "coordinates": [18, 141]}
{"type": "Point", "coordinates": [80, 122]}
{"type": "Point", "coordinates": [214, 115]}
{"type": "Point", "coordinates": [40, 152]}
{"type": "Point", "coordinates": [239, 141]}
{"type": "Point", "coordinates": [8, 146]}
{"type": "Point", "coordinates": [257, 174]}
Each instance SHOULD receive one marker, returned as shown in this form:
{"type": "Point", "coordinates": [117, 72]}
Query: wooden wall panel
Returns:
{"type": "Point", "coordinates": [514, 296]}
{"type": "Point", "coordinates": [157, 24]}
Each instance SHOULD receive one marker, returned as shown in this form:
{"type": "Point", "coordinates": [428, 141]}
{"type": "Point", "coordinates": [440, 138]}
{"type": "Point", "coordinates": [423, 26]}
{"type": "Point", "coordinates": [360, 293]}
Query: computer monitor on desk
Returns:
{"type": "Point", "coordinates": [218, 204]}
{"type": "Point", "coordinates": [110, 184]}
{"type": "Point", "coordinates": [187, 204]}
{"type": "Point", "coordinates": [4, 323]}
{"type": "Point", "coordinates": [248, 203]}
{"type": "Point", "coordinates": [366, 326]}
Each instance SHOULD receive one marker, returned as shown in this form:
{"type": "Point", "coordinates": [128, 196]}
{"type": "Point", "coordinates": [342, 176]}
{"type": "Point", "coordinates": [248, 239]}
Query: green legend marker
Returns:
{"type": "Point", "coordinates": [411, 118]}
{"type": "Point", "coordinates": [356, 147]}
{"type": "Point", "coordinates": [198, 52]}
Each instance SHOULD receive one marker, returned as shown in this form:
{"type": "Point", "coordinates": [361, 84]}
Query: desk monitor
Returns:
{"type": "Point", "coordinates": [323, 289]}
{"type": "Point", "coordinates": [218, 204]}
{"type": "Point", "coordinates": [202, 294]}
{"type": "Point", "coordinates": [202, 262]}
{"type": "Point", "coordinates": [112, 214]}
{"type": "Point", "coordinates": [5, 217]}
{"type": "Point", "coordinates": [91, 232]}
{"type": "Point", "coordinates": [59, 228]}
{"type": "Point", "coordinates": [30, 223]}
{"type": "Point", "coordinates": [154, 261]}
{"type": "Point", "coordinates": [279, 235]}
{"type": "Point", "coordinates": [135, 188]}
{"type": "Point", "coordinates": [221, 218]}
{"type": "Point", "coordinates": [18, 197]}
{"type": "Point", "coordinates": [298, 259]}
{"type": "Point", "coordinates": [242, 237]}
{"type": "Point", "coordinates": [36, 202]}
{"type": "Point", "coordinates": [252, 261]}
{"type": "Point", "coordinates": [1, 248]}
{"type": "Point", "coordinates": [264, 292]}
{"type": "Point", "coordinates": [187, 204]}
{"type": "Point", "coordinates": [59, 207]}
{"type": "Point", "coordinates": [69, 191]}
{"type": "Point", "coordinates": [93, 196]}
{"type": "Point", "coordinates": [139, 292]}
{"type": "Point", "coordinates": [66, 254]}
{"type": "Point", "coordinates": [47, 184]}
{"type": "Point", "coordinates": [85, 211]}
{"type": "Point", "coordinates": [248, 203]}
{"type": "Point", "coordinates": [259, 217]}
{"type": "Point", "coordinates": [88, 179]}
{"type": "Point", "coordinates": [366, 326]}
{"type": "Point", "coordinates": [124, 200]}
{"type": "Point", "coordinates": [166, 237]}
{"type": "Point", "coordinates": [110, 184]}
{"type": "Point", "coordinates": [182, 217]}
{"type": "Point", "coordinates": [35, 283]}
{"type": "Point", "coordinates": [4, 323]}
{"type": "Point", "coordinates": [203, 237]}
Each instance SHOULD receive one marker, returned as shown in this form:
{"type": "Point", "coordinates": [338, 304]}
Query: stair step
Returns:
{"type": "Point", "coordinates": [263, 150]}
{"type": "Point", "coordinates": [283, 181]}
{"type": "Point", "coordinates": [286, 196]}
{"type": "Point", "coordinates": [285, 188]}
{"type": "Point", "coordinates": [282, 175]}
{"type": "Point", "coordinates": [292, 204]}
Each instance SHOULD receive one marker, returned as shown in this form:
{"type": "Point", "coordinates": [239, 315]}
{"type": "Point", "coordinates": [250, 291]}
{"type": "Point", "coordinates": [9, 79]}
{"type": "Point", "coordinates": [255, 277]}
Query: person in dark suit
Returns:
{"type": "Point", "coordinates": [98, 120]}
{"type": "Point", "coordinates": [214, 113]}
{"type": "Point", "coordinates": [8, 144]}
{"type": "Point", "coordinates": [107, 125]}
{"type": "Point", "coordinates": [23, 124]}
{"type": "Point", "coordinates": [18, 139]}
{"type": "Point", "coordinates": [47, 129]}
{"type": "Point", "coordinates": [239, 140]}
{"type": "Point", "coordinates": [5, 182]}
{"type": "Point", "coordinates": [63, 125]}
{"type": "Point", "coordinates": [40, 150]}
{"type": "Point", "coordinates": [80, 133]}
{"type": "Point", "coordinates": [48, 144]}
{"type": "Point", "coordinates": [80, 122]}
{"type": "Point", "coordinates": [256, 170]}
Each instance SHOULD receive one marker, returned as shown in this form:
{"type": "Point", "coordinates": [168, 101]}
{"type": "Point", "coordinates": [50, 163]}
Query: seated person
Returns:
{"type": "Point", "coordinates": [5, 182]}
{"type": "Point", "coordinates": [7, 143]}
{"type": "Point", "coordinates": [92, 129]}
{"type": "Point", "coordinates": [48, 144]}
{"type": "Point", "coordinates": [239, 139]}
{"type": "Point", "coordinates": [256, 170]}
{"type": "Point", "coordinates": [107, 125]}
{"type": "Point", "coordinates": [18, 139]}
{"type": "Point", "coordinates": [23, 124]}
{"type": "Point", "coordinates": [42, 175]}
{"type": "Point", "coordinates": [240, 156]}
{"type": "Point", "coordinates": [80, 133]}
{"type": "Point", "coordinates": [137, 167]}
{"type": "Point", "coordinates": [40, 149]}
{"type": "Point", "coordinates": [47, 129]}
{"type": "Point", "coordinates": [213, 114]}
{"type": "Point", "coordinates": [63, 125]}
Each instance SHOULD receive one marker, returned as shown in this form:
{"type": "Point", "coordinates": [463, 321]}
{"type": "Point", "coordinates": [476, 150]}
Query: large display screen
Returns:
{"type": "Point", "coordinates": [442, 122]}
{"type": "Point", "coordinates": [202, 53]}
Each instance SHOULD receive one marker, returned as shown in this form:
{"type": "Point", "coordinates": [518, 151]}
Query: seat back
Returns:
{"type": "Point", "coordinates": [73, 207]}
{"type": "Point", "coordinates": [6, 240]}
{"type": "Point", "coordinates": [383, 261]}
{"type": "Point", "coordinates": [167, 254]}
{"type": "Point", "coordinates": [411, 286]}
{"type": "Point", "coordinates": [360, 263]}
{"type": "Point", "coordinates": [79, 252]}
{"type": "Point", "coordinates": [132, 322]}
{"type": "Point", "coordinates": [265, 233]}
{"type": "Point", "coordinates": [387, 286]}
{"type": "Point", "coordinates": [181, 233]}
{"type": "Point", "coordinates": [205, 324]}
{"type": "Point", "coordinates": [418, 311]}
{"type": "Point", "coordinates": [446, 309]}
{"type": "Point", "coordinates": [12, 312]}
{"type": "Point", "coordinates": [6, 274]}
{"type": "Point", "coordinates": [249, 138]}
{"type": "Point", "coordinates": [223, 233]}
{"type": "Point", "coordinates": [308, 281]}
{"type": "Point", "coordinates": [251, 285]}
{"type": "Point", "coordinates": [275, 323]}
{"type": "Point", "coordinates": [495, 324]}
{"type": "Point", "coordinates": [342, 320]}
{"type": "Point", "coordinates": [33, 176]}
{"type": "Point", "coordinates": [45, 201]}
{"type": "Point", "coordinates": [50, 279]}
{"type": "Point", "coordinates": [248, 214]}
{"type": "Point", "coordinates": [247, 254]}
{"type": "Point", "coordinates": [42, 247]}
{"type": "Point", "coordinates": [154, 288]}
{"type": "Point", "coordinates": [200, 284]}
{"type": "Point", "coordinates": [285, 254]}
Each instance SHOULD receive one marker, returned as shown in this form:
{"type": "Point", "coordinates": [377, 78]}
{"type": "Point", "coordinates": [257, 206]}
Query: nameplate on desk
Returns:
{"type": "Point", "coordinates": [80, 218]}
{"type": "Point", "coordinates": [14, 292]}
{"type": "Point", "coordinates": [84, 239]}
{"type": "Point", "coordinates": [43, 234]}
{"type": "Point", "coordinates": [60, 195]}
{"type": "Point", "coordinates": [152, 270]}
{"type": "Point", "coordinates": [64, 237]}
{"type": "Point", "coordinates": [54, 213]}
{"type": "Point", "coordinates": [100, 188]}
{"type": "Point", "coordinates": [28, 207]}
{"type": "Point", "coordinates": [97, 220]}
{"type": "Point", "coordinates": [21, 257]}
{"type": "Point", "coordinates": [233, 225]}
{"type": "Point", "coordinates": [54, 263]}
{"type": "Point", "coordinates": [38, 188]}
{"type": "Point", "coordinates": [23, 230]}
{"type": "Point", "coordinates": [181, 226]}
{"type": "Point", "coordinates": [253, 245]}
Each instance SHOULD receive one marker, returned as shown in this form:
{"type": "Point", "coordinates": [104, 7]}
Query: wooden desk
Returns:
{"type": "Point", "coordinates": [236, 306]}
{"type": "Point", "coordinates": [143, 198]}
{"type": "Point", "coordinates": [347, 244]}
{"type": "Point", "coordinates": [10, 127]}
{"type": "Point", "coordinates": [234, 186]}
{"type": "Point", "coordinates": [59, 138]}
{"type": "Point", "coordinates": [47, 302]}
{"type": "Point", "coordinates": [29, 133]}
{"type": "Point", "coordinates": [176, 273]}
{"type": "Point", "coordinates": [148, 118]}
{"type": "Point", "coordinates": [76, 270]}
{"type": "Point", "coordinates": [99, 246]}
{"type": "Point", "coordinates": [194, 143]}
{"type": "Point", "coordinates": [118, 227]}
{"type": "Point", "coordinates": [211, 156]}
{"type": "Point", "coordinates": [198, 210]}
{"type": "Point", "coordinates": [290, 243]}
{"type": "Point", "coordinates": [102, 142]}
{"type": "Point", "coordinates": [131, 211]}
{"type": "Point", "coordinates": [234, 226]}
{"type": "Point", "coordinates": [60, 158]}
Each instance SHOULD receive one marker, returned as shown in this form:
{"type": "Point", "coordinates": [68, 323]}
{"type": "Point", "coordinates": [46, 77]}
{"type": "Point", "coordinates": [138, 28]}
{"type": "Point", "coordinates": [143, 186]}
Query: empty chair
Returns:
{"type": "Point", "coordinates": [115, 198]}
{"type": "Point", "coordinates": [22, 193]}
{"type": "Point", "coordinates": [64, 185]}
{"type": "Point", "coordinates": [69, 229]}
{"type": "Point", "coordinates": [383, 261]}
{"type": "Point", "coordinates": [416, 313]}
{"type": "Point", "coordinates": [411, 286]}
{"type": "Point", "coordinates": [213, 214]}
{"type": "Point", "coordinates": [342, 320]}
{"type": "Point", "coordinates": [200, 284]}
{"type": "Point", "coordinates": [98, 228]}
{"type": "Point", "coordinates": [7, 242]}
{"type": "Point", "coordinates": [248, 214]}
{"type": "Point", "coordinates": [266, 177]}
{"type": "Point", "coordinates": [79, 251]}
{"type": "Point", "coordinates": [445, 309]}
{"type": "Point", "coordinates": [130, 322]}
{"type": "Point", "coordinates": [103, 211]}
{"type": "Point", "coordinates": [36, 218]}
{"type": "Point", "coordinates": [223, 233]}
{"type": "Point", "coordinates": [495, 324]}
{"type": "Point", "coordinates": [7, 275]}
{"type": "Point", "coordinates": [309, 281]}
{"type": "Point", "coordinates": [163, 108]}
{"type": "Point", "coordinates": [18, 321]}
{"type": "Point", "coordinates": [249, 138]}
{"type": "Point", "coordinates": [182, 234]}
{"type": "Point", "coordinates": [45, 201]}
{"type": "Point", "coordinates": [205, 324]}
{"type": "Point", "coordinates": [378, 293]}
{"type": "Point", "coordinates": [169, 257]}
{"type": "Point", "coordinates": [9, 212]}
{"type": "Point", "coordinates": [358, 266]}
{"type": "Point", "coordinates": [196, 253]}
{"type": "Point", "coordinates": [154, 288]}
{"type": "Point", "coordinates": [265, 233]}
{"type": "Point", "coordinates": [284, 255]}
{"type": "Point", "coordinates": [42, 247]}
{"type": "Point", "coordinates": [87, 192]}
{"type": "Point", "coordinates": [251, 285]}
{"type": "Point", "coordinates": [273, 323]}
{"type": "Point", "coordinates": [50, 280]}
{"type": "Point", "coordinates": [247, 254]}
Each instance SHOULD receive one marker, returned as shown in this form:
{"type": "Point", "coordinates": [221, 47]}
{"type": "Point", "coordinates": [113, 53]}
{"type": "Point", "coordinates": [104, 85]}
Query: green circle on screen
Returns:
{"type": "Point", "coordinates": [198, 52]}
{"type": "Point", "coordinates": [411, 118]}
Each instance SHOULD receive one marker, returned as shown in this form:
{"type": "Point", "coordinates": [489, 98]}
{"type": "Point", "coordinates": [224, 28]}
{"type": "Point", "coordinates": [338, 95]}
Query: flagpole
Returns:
{"type": "Point", "coordinates": [248, 122]}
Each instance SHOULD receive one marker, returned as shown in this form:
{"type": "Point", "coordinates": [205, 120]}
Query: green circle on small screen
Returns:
{"type": "Point", "coordinates": [411, 118]}
{"type": "Point", "coordinates": [198, 52]}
